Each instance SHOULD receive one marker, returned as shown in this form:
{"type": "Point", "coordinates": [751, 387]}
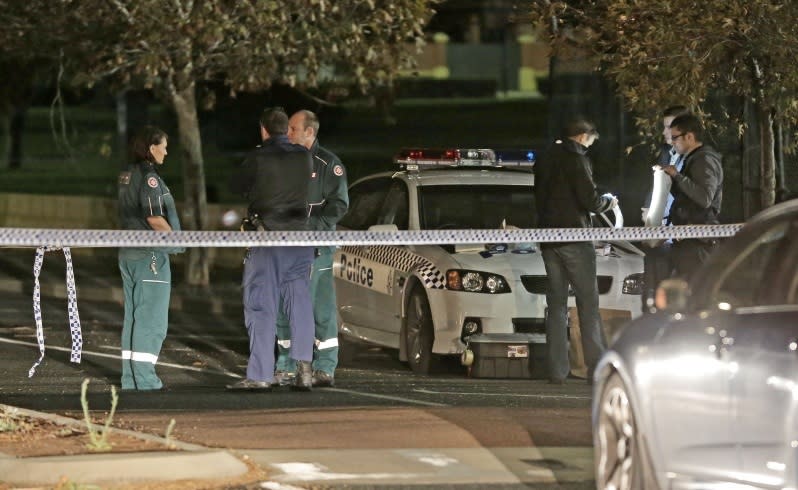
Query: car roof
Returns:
{"type": "Point", "coordinates": [785, 208]}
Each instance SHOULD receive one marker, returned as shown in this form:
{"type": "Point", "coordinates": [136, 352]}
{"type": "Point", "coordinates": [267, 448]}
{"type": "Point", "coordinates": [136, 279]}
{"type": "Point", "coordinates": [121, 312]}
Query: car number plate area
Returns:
{"type": "Point", "coordinates": [514, 351]}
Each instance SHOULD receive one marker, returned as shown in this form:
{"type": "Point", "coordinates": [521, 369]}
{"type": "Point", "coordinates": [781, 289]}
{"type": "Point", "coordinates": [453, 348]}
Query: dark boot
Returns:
{"type": "Point", "coordinates": [304, 376]}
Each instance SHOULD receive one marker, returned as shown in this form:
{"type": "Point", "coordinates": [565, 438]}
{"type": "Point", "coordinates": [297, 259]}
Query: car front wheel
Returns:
{"type": "Point", "coordinates": [619, 460]}
{"type": "Point", "coordinates": [419, 333]}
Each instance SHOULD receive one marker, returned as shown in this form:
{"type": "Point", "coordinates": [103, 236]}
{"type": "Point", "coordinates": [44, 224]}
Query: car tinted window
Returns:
{"type": "Point", "coordinates": [395, 209]}
{"type": "Point", "coordinates": [476, 206]}
{"type": "Point", "coordinates": [747, 280]}
{"type": "Point", "coordinates": [365, 201]}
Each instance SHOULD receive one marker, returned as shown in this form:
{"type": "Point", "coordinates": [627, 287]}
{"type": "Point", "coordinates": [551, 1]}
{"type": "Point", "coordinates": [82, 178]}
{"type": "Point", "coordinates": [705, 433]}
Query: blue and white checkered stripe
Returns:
{"type": "Point", "coordinates": [401, 259]}
{"type": "Point", "coordinates": [72, 305]}
{"type": "Point", "coordinates": [30, 237]}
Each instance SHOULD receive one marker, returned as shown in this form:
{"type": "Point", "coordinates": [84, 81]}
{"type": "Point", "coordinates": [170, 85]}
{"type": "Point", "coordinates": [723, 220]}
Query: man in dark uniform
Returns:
{"type": "Point", "coordinates": [329, 200]}
{"type": "Point", "coordinates": [145, 203]}
{"type": "Point", "coordinates": [274, 178]}
{"type": "Point", "coordinates": [697, 192]}
{"type": "Point", "coordinates": [565, 195]}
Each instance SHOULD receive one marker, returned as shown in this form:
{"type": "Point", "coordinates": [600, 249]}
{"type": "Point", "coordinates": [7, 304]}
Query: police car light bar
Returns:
{"type": "Point", "coordinates": [416, 158]}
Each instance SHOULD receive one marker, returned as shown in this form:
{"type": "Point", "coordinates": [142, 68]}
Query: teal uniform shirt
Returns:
{"type": "Point", "coordinates": [328, 197]}
{"type": "Point", "coordinates": [143, 194]}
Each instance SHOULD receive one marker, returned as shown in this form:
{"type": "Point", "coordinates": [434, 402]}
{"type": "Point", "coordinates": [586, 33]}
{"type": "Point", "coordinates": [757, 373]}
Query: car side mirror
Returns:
{"type": "Point", "coordinates": [390, 227]}
{"type": "Point", "coordinates": [672, 295]}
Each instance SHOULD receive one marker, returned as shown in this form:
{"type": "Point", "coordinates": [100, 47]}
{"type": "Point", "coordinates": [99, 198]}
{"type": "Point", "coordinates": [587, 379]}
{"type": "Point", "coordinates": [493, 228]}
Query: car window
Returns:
{"type": "Point", "coordinates": [476, 206]}
{"type": "Point", "coordinates": [748, 279]}
{"type": "Point", "coordinates": [395, 209]}
{"type": "Point", "coordinates": [365, 201]}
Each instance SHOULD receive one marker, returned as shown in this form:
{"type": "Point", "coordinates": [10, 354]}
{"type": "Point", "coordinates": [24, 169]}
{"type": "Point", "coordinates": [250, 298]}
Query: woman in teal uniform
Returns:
{"type": "Point", "coordinates": [145, 203]}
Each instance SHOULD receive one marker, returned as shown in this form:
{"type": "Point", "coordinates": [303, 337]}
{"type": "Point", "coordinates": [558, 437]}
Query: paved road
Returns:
{"type": "Point", "coordinates": [380, 426]}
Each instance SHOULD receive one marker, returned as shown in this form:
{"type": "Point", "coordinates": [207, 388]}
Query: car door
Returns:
{"type": "Point", "coordinates": [690, 385]}
{"type": "Point", "coordinates": [350, 267]}
{"type": "Point", "coordinates": [765, 387]}
{"type": "Point", "coordinates": [384, 302]}
{"type": "Point", "coordinates": [733, 300]}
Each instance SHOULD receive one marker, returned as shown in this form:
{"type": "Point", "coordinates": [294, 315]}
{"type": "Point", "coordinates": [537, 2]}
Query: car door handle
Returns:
{"type": "Point", "coordinates": [721, 346]}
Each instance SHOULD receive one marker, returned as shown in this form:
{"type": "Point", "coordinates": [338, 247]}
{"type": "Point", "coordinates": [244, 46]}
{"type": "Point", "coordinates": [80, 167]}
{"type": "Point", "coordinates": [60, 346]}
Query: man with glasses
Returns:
{"type": "Point", "coordinates": [657, 265]}
{"type": "Point", "coordinates": [697, 190]}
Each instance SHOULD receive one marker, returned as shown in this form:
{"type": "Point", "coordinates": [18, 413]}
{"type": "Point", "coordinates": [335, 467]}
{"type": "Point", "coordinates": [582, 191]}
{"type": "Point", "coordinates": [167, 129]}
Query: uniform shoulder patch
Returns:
{"type": "Point", "coordinates": [124, 178]}
{"type": "Point", "coordinates": [338, 170]}
{"type": "Point", "coordinates": [152, 182]}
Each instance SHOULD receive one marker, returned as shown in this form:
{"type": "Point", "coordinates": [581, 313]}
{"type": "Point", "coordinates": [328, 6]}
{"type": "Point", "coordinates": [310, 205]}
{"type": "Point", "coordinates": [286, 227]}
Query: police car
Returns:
{"type": "Point", "coordinates": [429, 300]}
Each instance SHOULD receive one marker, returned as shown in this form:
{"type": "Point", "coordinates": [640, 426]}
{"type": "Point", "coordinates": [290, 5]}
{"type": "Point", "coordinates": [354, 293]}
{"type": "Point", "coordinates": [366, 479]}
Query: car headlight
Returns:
{"type": "Point", "coordinates": [476, 282]}
{"type": "Point", "coordinates": [633, 284]}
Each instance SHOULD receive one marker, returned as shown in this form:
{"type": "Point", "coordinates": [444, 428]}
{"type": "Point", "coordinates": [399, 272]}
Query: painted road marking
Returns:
{"type": "Point", "coordinates": [114, 356]}
{"type": "Point", "coordinates": [388, 397]}
{"type": "Point", "coordinates": [517, 395]}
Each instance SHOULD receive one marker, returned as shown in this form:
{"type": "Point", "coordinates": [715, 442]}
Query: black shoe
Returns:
{"type": "Point", "coordinates": [322, 378]}
{"type": "Point", "coordinates": [247, 384]}
{"type": "Point", "coordinates": [304, 377]}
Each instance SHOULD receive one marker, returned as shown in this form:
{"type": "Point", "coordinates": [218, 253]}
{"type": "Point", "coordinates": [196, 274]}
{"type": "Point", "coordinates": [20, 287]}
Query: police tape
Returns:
{"type": "Point", "coordinates": [58, 238]}
{"type": "Point", "coordinates": [46, 240]}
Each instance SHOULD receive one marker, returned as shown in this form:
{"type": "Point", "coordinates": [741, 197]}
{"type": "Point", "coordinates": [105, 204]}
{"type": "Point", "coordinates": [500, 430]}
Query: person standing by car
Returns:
{"type": "Point", "coordinates": [657, 264]}
{"type": "Point", "coordinates": [274, 178]}
{"type": "Point", "coordinates": [697, 192]}
{"type": "Point", "coordinates": [145, 203]}
{"type": "Point", "coordinates": [329, 200]}
{"type": "Point", "coordinates": [565, 195]}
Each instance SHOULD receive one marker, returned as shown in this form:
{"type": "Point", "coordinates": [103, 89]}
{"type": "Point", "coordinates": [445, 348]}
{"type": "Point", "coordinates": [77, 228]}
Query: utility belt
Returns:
{"type": "Point", "coordinates": [253, 222]}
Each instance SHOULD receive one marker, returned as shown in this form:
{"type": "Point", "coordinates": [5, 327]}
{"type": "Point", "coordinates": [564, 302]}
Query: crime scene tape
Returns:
{"type": "Point", "coordinates": [72, 306]}
{"type": "Point", "coordinates": [53, 239]}
{"type": "Point", "coordinates": [33, 237]}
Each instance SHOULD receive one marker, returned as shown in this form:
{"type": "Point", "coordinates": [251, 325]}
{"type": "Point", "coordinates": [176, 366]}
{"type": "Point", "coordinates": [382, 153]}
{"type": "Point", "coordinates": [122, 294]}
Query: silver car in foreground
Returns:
{"type": "Point", "coordinates": [704, 393]}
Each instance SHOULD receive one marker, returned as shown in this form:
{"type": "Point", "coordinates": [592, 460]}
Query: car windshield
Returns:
{"type": "Point", "coordinates": [476, 206]}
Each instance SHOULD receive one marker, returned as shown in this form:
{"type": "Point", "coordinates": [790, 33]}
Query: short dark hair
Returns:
{"type": "Point", "coordinates": [141, 142]}
{"type": "Point", "coordinates": [274, 120]}
{"type": "Point", "coordinates": [580, 125]}
{"type": "Point", "coordinates": [689, 123]}
{"type": "Point", "coordinates": [675, 111]}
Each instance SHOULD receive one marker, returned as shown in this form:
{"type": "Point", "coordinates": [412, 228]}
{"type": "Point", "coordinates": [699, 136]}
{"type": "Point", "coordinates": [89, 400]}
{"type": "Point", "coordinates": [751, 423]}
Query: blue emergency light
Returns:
{"type": "Point", "coordinates": [413, 159]}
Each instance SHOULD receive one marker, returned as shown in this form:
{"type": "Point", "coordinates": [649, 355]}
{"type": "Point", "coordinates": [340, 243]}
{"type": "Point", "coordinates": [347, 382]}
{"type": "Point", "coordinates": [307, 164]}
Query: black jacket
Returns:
{"type": "Point", "coordinates": [698, 189]}
{"type": "Point", "coordinates": [274, 179]}
{"type": "Point", "coordinates": [565, 193]}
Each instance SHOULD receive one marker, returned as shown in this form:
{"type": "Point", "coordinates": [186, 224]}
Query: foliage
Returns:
{"type": "Point", "coordinates": [10, 421]}
{"type": "Point", "coordinates": [681, 51]}
{"type": "Point", "coordinates": [98, 439]}
{"type": "Point", "coordinates": [246, 44]}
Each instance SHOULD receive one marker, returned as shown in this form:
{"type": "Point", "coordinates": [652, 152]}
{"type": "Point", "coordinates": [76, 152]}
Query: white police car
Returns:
{"type": "Point", "coordinates": [428, 300]}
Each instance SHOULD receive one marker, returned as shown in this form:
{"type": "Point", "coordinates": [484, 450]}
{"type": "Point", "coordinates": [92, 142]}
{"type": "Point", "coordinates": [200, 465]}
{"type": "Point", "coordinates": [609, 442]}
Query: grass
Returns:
{"type": "Point", "coordinates": [87, 164]}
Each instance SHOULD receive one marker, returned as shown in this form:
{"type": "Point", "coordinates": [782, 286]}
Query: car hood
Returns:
{"type": "Point", "coordinates": [526, 259]}
{"type": "Point", "coordinates": [520, 259]}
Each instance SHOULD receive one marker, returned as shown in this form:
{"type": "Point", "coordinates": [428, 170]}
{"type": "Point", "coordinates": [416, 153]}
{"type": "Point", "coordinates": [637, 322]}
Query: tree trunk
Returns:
{"type": "Point", "coordinates": [121, 128]}
{"type": "Point", "coordinates": [195, 210]}
{"type": "Point", "coordinates": [767, 157]}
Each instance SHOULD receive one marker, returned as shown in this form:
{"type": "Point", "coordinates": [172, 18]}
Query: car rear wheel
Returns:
{"type": "Point", "coordinates": [419, 333]}
{"type": "Point", "coordinates": [619, 459]}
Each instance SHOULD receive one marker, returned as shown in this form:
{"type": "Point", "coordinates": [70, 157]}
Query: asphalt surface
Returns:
{"type": "Point", "coordinates": [380, 427]}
